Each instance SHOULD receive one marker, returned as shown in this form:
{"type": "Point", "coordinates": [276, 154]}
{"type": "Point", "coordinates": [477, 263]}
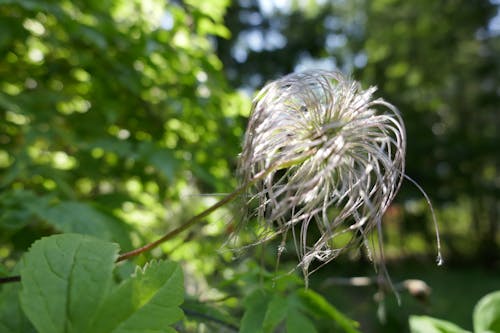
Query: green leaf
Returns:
{"type": "Point", "coordinates": [296, 322]}
{"type": "Point", "coordinates": [268, 311]}
{"type": "Point", "coordinates": [147, 302]}
{"type": "Point", "coordinates": [487, 313]}
{"type": "Point", "coordinates": [122, 148]}
{"type": "Point", "coordinates": [76, 217]}
{"type": "Point", "coordinates": [200, 311]}
{"type": "Point", "coordinates": [276, 312]}
{"type": "Point", "coordinates": [3, 270]}
{"type": "Point", "coordinates": [18, 206]}
{"type": "Point", "coordinates": [82, 218]}
{"type": "Point", "coordinates": [319, 307]}
{"type": "Point", "coordinates": [165, 162]}
{"type": "Point", "coordinates": [255, 311]}
{"type": "Point", "coordinates": [12, 318]}
{"type": "Point", "coordinates": [67, 286]}
{"type": "Point", "coordinates": [162, 159]}
{"type": "Point", "coordinates": [424, 324]}
{"type": "Point", "coordinates": [64, 278]}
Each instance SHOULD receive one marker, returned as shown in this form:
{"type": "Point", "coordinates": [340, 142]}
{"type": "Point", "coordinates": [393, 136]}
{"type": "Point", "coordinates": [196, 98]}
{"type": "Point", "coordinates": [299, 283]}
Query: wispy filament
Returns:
{"type": "Point", "coordinates": [337, 157]}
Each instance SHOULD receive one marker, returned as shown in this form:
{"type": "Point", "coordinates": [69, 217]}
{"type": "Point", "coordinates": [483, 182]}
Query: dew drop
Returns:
{"type": "Point", "coordinates": [439, 260]}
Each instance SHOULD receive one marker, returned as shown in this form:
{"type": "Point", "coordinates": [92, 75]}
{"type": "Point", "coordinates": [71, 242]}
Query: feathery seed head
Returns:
{"type": "Point", "coordinates": [320, 151]}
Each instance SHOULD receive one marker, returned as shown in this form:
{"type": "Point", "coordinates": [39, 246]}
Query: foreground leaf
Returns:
{"type": "Point", "coordinates": [424, 324]}
{"type": "Point", "coordinates": [266, 310]}
{"type": "Point", "coordinates": [487, 313]}
{"type": "Point", "coordinates": [12, 318]}
{"type": "Point", "coordinates": [64, 278]}
{"type": "Point", "coordinates": [147, 302]}
{"type": "Point", "coordinates": [67, 286]}
{"type": "Point", "coordinates": [319, 307]}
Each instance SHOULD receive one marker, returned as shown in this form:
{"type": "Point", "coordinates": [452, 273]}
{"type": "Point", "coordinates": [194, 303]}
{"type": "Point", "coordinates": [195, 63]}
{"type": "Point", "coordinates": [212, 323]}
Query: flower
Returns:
{"type": "Point", "coordinates": [322, 158]}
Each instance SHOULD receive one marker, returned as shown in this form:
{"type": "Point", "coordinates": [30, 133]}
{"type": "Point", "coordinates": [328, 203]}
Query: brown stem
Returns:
{"type": "Point", "coordinates": [9, 279]}
{"type": "Point", "coordinates": [195, 219]}
{"type": "Point", "coordinates": [230, 197]}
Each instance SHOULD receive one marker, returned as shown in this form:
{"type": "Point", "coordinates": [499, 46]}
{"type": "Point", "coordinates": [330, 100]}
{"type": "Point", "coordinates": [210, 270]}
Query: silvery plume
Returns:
{"type": "Point", "coordinates": [322, 160]}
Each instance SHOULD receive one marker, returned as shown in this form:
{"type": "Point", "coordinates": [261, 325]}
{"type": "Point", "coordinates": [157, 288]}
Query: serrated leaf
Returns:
{"type": "Point", "coordinates": [277, 310]}
{"type": "Point", "coordinates": [147, 302]}
{"type": "Point", "coordinates": [296, 322]}
{"type": "Point", "coordinates": [425, 324]}
{"type": "Point", "coordinates": [487, 313]}
{"type": "Point", "coordinates": [318, 306]}
{"type": "Point", "coordinates": [64, 279]}
{"type": "Point", "coordinates": [255, 311]}
{"type": "Point", "coordinates": [67, 286]}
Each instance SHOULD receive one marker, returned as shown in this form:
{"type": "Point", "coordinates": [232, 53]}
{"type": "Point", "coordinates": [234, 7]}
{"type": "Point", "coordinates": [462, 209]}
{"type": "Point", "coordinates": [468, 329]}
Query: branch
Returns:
{"type": "Point", "coordinates": [195, 219]}
{"type": "Point", "coordinates": [211, 318]}
{"type": "Point", "coordinates": [9, 279]}
{"type": "Point", "coordinates": [192, 221]}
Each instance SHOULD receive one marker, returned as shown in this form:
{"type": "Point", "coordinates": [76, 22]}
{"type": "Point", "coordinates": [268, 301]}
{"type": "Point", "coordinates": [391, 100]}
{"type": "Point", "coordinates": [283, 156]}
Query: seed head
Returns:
{"type": "Point", "coordinates": [323, 158]}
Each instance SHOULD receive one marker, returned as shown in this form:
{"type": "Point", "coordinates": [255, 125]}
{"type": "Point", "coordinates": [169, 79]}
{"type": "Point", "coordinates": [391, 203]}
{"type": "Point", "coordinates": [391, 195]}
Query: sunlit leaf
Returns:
{"type": "Point", "coordinates": [487, 313]}
{"type": "Point", "coordinates": [318, 306]}
{"type": "Point", "coordinates": [67, 286]}
{"type": "Point", "coordinates": [147, 302]}
{"type": "Point", "coordinates": [424, 324]}
{"type": "Point", "coordinates": [64, 279]}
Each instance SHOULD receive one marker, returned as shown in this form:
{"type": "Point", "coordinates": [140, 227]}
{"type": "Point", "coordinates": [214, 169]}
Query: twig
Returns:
{"type": "Point", "coordinates": [9, 279]}
{"type": "Point", "coordinates": [195, 219]}
{"type": "Point", "coordinates": [208, 317]}
{"type": "Point", "coordinates": [230, 197]}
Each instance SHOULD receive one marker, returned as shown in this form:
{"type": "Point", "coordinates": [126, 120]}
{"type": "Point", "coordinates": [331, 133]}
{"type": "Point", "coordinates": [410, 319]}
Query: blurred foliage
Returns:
{"type": "Point", "coordinates": [113, 112]}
